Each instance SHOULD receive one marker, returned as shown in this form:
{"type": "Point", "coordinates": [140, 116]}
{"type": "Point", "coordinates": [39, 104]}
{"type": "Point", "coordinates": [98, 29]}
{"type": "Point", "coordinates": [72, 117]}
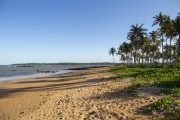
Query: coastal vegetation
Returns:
{"type": "Point", "coordinates": [145, 48]}
{"type": "Point", "coordinates": [153, 59]}
{"type": "Point", "coordinates": [167, 78]}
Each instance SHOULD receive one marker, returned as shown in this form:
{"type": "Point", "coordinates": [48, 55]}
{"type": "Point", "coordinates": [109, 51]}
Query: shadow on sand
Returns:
{"type": "Point", "coordinates": [64, 82]}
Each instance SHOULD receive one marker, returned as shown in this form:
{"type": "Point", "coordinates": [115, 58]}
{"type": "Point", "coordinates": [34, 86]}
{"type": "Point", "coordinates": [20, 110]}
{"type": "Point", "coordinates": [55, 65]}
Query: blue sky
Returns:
{"type": "Point", "coordinates": [72, 30]}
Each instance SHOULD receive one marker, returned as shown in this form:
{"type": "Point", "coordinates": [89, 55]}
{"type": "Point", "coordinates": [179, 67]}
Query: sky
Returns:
{"type": "Point", "coordinates": [54, 31]}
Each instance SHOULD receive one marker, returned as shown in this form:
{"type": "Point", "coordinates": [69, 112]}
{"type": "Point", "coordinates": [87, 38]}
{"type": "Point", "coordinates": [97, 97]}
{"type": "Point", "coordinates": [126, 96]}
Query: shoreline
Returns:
{"type": "Point", "coordinates": [79, 95]}
{"type": "Point", "coordinates": [40, 73]}
{"type": "Point", "coordinates": [34, 75]}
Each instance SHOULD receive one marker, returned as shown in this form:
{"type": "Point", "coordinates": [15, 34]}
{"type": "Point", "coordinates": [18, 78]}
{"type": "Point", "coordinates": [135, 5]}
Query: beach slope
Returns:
{"type": "Point", "coordinates": [81, 95]}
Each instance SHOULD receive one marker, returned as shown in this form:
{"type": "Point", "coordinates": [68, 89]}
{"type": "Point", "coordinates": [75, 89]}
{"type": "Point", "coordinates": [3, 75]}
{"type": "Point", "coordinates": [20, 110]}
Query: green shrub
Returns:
{"type": "Point", "coordinates": [161, 103]}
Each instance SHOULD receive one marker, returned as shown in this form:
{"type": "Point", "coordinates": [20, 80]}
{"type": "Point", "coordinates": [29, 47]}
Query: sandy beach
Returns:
{"type": "Point", "coordinates": [91, 94]}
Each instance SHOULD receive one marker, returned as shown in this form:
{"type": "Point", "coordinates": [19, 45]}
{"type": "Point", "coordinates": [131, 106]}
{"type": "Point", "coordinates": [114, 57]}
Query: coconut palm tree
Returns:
{"type": "Point", "coordinates": [145, 47]}
{"type": "Point", "coordinates": [155, 42]}
{"type": "Point", "coordinates": [169, 28]}
{"type": "Point", "coordinates": [177, 25]}
{"type": "Point", "coordinates": [177, 29]}
{"type": "Point", "coordinates": [112, 51]}
{"type": "Point", "coordinates": [167, 53]}
{"type": "Point", "coordinates": [174, 51]}
{"type": "Point", "coordinates": [141, 45]}
{"type": "Point", "coordinates": [178, 16]}
{"type": "Point", "coordinates": [120, 51]}
{"type": "Point", "coordinates": [153, 36]}
{"type": "Point", "coordinates": [126, 49]}
{"type": "Point", "coordinates": [134, 35]}
{"type": "Point", "coordinates": [123, 58]}
{"type": "Point", "coordinates": [159, 19]}
{"type": "Point", "coordinates": [158, 55]}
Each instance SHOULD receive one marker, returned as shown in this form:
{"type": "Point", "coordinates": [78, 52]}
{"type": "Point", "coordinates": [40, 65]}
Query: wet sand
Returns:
{"type": "Point", "coordinates": [87, 94]}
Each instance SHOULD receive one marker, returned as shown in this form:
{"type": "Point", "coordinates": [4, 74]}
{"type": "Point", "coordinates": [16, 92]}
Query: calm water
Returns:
{"type": "Point", "coordinates": [12, 72]}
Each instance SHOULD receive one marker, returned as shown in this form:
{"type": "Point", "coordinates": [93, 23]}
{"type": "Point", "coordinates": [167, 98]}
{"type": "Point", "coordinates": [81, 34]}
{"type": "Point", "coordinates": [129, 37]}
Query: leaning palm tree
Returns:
{"type": "Point", "coordinates": [134, 36]}
{"type": "Point", "coordinates": [112, 51]}
{"type": "Point", "coordinates": [159, 19]}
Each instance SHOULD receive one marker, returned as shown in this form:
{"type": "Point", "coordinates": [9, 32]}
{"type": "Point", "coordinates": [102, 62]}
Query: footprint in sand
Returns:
{"type": "Point", "coordinates": [102, 115]}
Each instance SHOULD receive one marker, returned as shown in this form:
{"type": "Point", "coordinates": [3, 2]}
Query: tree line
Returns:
{"type": "Point", "coordinates": [156, 46]}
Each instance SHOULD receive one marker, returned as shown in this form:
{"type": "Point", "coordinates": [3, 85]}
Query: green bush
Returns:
{"type": "Point", "coordinates": [161, 103]}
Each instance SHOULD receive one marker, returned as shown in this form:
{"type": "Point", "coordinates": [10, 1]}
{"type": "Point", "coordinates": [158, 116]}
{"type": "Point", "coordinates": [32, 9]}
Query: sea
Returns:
{"type": "Point", "coordinates": [10, 72]}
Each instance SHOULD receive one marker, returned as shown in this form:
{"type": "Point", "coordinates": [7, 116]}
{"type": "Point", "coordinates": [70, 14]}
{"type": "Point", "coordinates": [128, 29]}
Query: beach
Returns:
{"type": "Point", "coordinates": [81, 95]}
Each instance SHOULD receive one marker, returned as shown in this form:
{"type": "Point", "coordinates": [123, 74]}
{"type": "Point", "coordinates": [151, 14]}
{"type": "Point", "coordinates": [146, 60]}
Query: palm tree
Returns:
{"type": "Point", "coordinates": [134, 35]}
{"type": "Point", "coordinates": [120, 51]}
{"type": "Point", "coordinates": [155, 42]}
{"type": "Point", "coordinates": [143, 41]}
{"type": "Point", "coordinates": [169, 28]}
{"type": "Point", "coordinates": [123, 58]}
{"type": "Point", "coordinates": [126, 49]}
{"type": "Point", "coordinates": [112, 51]}
{"type": "Point", "coordinates": [145, 49]}
{"type": "Point", "coordinates": [177, 25]}
{"type": "Point", "coordinates": [167, 53]}
{"type": "Point", "coordinates": [159, 19]}
{"type": "Point", "coordinates": [178, 16]}
{"type": "Point", "coordinates": [158, 55]}
{"type": "Point", "coordinates": [177, 29]}
{"type": "Point", "coordinates": [174, 51]}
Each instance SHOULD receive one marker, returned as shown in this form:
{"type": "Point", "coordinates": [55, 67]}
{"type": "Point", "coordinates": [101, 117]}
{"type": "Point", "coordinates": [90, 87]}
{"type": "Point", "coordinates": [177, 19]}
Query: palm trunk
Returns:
{"type": "Point", "coordinates": [162, 51]}
{"type": "Point", "coordinates": [131, 57]}
{"type": "Point", "coordinates": [166, 45]}
{"type": "Point", "coordinates": [170, 49]}
{"type": "Point", "coordinates": [134, 55]}
{"type": "Point", "coordinates": [119, 58]}
{"type": "Point", "coordinates": [126, 59]}
{"type": "Point", "coordinates": [153, 57]}
{"type": "Point", "coordinates": [113, 59]}
{"type": "Point", "coordinates": [139, 59]}
{"type": "Point", "coordinates": [135, 58]}
{"type": "Point", "coordinates": [178, 49]}
{"type": "Point", "coordinates": [142, 58]}
{"type": "Point", "coordinates": [149, 61]}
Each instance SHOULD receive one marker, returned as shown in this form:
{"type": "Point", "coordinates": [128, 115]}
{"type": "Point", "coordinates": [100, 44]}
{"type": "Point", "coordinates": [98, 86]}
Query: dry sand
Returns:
{"type": "Point", "coordinates": [91, 94]}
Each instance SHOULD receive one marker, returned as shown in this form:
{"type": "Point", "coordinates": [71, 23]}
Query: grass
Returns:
{"type": "Point", "coordinates": [167, 107]}
{"type": "Point", "coordinates": [133, 89]}
{"type": "Point", "coordinates": [163, 76]}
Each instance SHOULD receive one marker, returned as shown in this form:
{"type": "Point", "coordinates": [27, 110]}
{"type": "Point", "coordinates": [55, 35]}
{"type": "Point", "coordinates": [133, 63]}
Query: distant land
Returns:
{"type": "Point", "coordinates": [66, 63]}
